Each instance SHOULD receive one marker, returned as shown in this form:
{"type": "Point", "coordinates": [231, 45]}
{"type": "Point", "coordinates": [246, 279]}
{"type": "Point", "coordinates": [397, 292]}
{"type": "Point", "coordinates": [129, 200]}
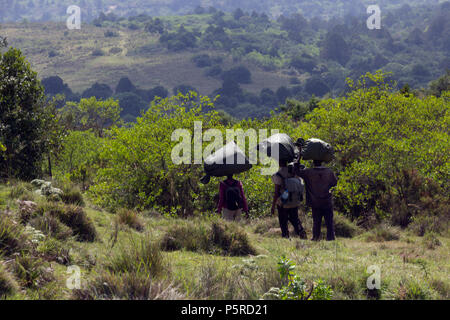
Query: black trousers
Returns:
{"type": "Point", "coordinates": [291, 214]}
{"type": "Point", "coordinates": [318, 214]}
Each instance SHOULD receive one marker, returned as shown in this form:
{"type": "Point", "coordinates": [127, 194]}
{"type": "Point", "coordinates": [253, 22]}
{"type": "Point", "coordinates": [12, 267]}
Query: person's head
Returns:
{"type": "Point", "coordinates": [317, 163]}
{"type": "Point", "coordinates": [282, 163]}
{"type": "Point", "coordinates": [230, 176]}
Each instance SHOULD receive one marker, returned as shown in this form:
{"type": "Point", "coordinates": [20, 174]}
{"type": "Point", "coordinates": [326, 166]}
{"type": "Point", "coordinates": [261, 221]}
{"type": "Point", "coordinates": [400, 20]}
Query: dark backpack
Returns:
{"type": "Point", "coordinates": [233, 198]}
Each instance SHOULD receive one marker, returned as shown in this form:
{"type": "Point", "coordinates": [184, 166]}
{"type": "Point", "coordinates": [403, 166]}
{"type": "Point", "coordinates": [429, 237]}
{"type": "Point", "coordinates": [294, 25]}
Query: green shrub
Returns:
{"type": "Point", "coordinates": [412, 290]}
{"type": "Point", "coordinates": [53, 250]}
{"type": "Point", "coordinates": [72, 216]}
{"type": "Point", "coordinates": [31, 271]}
{"type": "Point", "coordinates": [141, 256]}
{"type": "Point", "coordinates": [51, 226]}
{"type": "Point", "coordinates": [382, 233]}
{"type": "Point", "coordinates": [8, 285]}
{"type": "Point", "coordinates": [130, 218]}
{"type": "Point", "coordinates": [12, 236]}
{"type": "Point", "coordinates": [431, 241]}
{"type": "Point", "coordinates": [22, 191]}
{"type": "Point", "coordinates": [220, 237]}
{"type": "Point", "coordinates": [72, 195]}
{"type": "Point", "coordinates": [345, 228]}
{"type": "Point", "coordinates": [442, 287]}
{"type": "Point", "coordinates": [127, 286]}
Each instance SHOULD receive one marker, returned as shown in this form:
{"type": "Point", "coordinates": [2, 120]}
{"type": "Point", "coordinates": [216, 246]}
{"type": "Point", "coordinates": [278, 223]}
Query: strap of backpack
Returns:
{"type": "Point", "coordinates": [282, 179]}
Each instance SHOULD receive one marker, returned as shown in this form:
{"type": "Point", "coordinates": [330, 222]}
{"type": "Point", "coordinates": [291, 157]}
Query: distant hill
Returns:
{"type": "Point", "coordinates": [252, 61]}
{"type": "Point", "coordinates": [46, 10]}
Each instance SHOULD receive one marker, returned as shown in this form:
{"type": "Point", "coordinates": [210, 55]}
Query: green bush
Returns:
{"type": "Point", "coordinates": [127, 286]}
{"type": "Point", "coordinates": [51, 226]}
{"type": "Point", "coordinates": [130, 218]}
{"type": "Point", "coordinates": [31, 271]}
{"type": "Point", "coordinates": [12, 236]}
{"type": "Point", "coordinates": [72, 216]}
{"type": "Point", "coordinates": [412, 290]}
{"type": "Point", "coordinates": [8, 285]}
{"type": "Point", "coordinates": [141, 256]}
{"type": "Point", "coordinates": [72, 195]}
{"type": "Point", "coordinates": [382, 233]}
{"type": "Point", "coordinates": [219, 237]}
{"type": "Point", "coordinates": [343, 227]}
{"type": "Point", "coordinates": [22, 191]}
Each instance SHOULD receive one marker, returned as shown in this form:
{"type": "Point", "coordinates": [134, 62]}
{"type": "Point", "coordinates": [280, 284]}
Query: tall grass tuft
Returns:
{"type": "Point", "coordinates": [130, 218]}
{"type": "Point", "coordinates": [22, 191]}
{"type": "Point", "coordinates": [383, 233]}
{"type": "Point", "coordinates": [72, 216]}
{"type": "Point", "coordinates": [127, 286]}
{"type": "Point", "coordinates": [12, 236]}
{"type": "Point", "coordinates": [72, 195]}
{"type": "Point", "coordinates": [344, 228]}
{"type": "Point", "coordinates": [141, 256]}
{"type": "Point", "coordinates": [222, 238]}
{"type": "Point", "coordinates": [8, 285]}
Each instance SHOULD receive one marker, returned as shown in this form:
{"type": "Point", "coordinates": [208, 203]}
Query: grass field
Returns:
{"type": "Point", "coordinates": [127, 250]}
{"type": "Point", "coordinates": [140, 57]}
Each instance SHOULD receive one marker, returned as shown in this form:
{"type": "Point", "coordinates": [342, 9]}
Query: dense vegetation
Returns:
{"type": "Point", "coordinates": [316, 55]}
{"type": "Point", "coordinates": [44, 10]}
{"type": "Point", "coordinates": [140, 226]}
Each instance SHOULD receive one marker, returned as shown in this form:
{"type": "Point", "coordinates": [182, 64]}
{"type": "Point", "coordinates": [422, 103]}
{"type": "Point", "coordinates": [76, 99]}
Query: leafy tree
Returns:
{"type": "Point", "coordinates": [437, 87]}
{"type": "Point", "coordinates": [158, 91]}
{"type": "Point", "coordinates": [155, 26]}
{"type": "Point", "coordinates": [125, 85]}
{"type": "Point", "coordinates": [389, 148]}
{"type": "Point", "coordinates": [335, 48]}
{"type": "Point", "coordinates": [316, 86]}
{"type": "Point", "coordinates": [268, 98]}
{"type": "Point", "coordinates": [138, 169]}
{"type": "Point", "coordinates": [282, 94]}
{"type": "Point", "coordinates": [98, 90]}
{"type": "Point", "coordinates": [238, 74]}
{"type": "Point", "coordinates": [130, 103]}
{"type": "Point", "coordinates": [92, 114]}
{"type": "Point", "coordinates": [238, 13]}
{"type": "Point", "coordinates": [21, 117]}
{"type": "Point", "coordinates": [184, 89]}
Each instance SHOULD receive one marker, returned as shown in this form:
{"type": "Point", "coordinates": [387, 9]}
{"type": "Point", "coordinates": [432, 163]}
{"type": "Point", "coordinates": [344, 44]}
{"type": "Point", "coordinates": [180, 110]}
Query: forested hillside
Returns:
{"type": "Point", "coordinates": [253, 62]}
{"type": "Point", "coordinates": [45, 10]}
{"type": "Point", "coordinates": [105, 132]}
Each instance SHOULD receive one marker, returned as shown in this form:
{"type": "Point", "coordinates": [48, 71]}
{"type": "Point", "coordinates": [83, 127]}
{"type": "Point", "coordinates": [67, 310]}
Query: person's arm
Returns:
{"type": "Point", "coordinates": [333, 180]}
{"type": "Point", "coordinates": [275, 198]}
{"type": "Point", "coordinates": [244, 200]}
{"type": "Point", "coordinates": [220, 205]}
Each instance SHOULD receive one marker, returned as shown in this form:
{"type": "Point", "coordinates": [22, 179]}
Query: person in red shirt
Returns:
{"type": "Point", "coordinates": [232, 199]}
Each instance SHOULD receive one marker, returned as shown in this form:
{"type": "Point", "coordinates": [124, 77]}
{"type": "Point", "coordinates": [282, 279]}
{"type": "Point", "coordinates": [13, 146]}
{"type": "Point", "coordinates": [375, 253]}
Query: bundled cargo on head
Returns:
{"type": "Point", "coordinates": [226, 161]}
{"type": "Point", "coordinates": [316, 149]}
{"type": "Point", "coordinates": [279, 147]}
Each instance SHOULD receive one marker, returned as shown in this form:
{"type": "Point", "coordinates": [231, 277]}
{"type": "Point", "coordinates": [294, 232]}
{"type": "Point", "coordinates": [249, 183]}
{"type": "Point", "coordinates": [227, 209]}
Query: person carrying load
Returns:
{"type": "Point", "coordinates": [288, 192]}
{"type": "Point", "coordinates": [226, 162]}
{"type": "Point", "coordinates": [232, 199]}
{"type": "Point", "coordinates": [318, 182]}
